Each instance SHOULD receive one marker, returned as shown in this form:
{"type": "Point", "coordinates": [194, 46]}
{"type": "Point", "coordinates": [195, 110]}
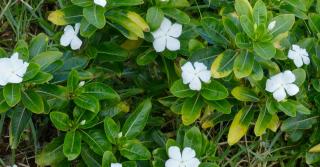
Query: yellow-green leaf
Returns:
{"type": "Point", "coordinates": [237, 130]}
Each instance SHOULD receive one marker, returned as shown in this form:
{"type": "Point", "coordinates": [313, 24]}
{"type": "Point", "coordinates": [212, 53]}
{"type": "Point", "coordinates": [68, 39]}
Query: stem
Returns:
{"type": "Point", "coordinates": [13, 156]}
{"type": "Point", "coordinates": [3, 116]}
{"type": "Point", "coordinates": [34, 136]}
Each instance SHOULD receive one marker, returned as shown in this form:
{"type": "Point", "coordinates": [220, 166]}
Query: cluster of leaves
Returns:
{"type": "Point", "coordinates": [118, 100]}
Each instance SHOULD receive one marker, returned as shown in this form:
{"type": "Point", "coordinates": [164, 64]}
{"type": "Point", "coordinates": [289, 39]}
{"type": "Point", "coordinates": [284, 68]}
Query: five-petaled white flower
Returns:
{"type": "Point", "coordinates": [299, 56]}
{"type": "Point", "coordinates": [166, 36]}
{"type": "Point", "coordinates": [186, 159]}
{"type": "Point", "coordinates": [194, 74]}
{"type": "Point", "coordinates": [12, 69]}
{"type": "Point", "coordinates": [70, 37]}
{"type": "Point", "coordinates": [281, 85]}
{"type": "Point", "coordinates": [116, 165]}
{"type": "Point", "coordinates": [271, 25]}
{"type": "Point", "coordinates": [102, 3]}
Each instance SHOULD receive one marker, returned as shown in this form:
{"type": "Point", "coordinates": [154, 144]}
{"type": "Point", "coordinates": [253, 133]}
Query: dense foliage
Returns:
{"type": "Point", "coordinates": [142, 82]}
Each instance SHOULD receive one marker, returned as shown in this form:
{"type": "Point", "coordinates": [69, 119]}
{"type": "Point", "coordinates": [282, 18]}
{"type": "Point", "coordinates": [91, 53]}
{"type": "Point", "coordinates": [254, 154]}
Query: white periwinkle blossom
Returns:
{"type": "Point", "coordinates": [12, 69]}
{"type": "Point", "coordinates": [166, 36]}
{"type": "Point", "coordinates": [70, 37]}
{"type": "Point", "coordinates": [299, 56]}
{"type": "Point", "coordinates": [194, 74]}
{"type": "Point", "coordinates": [281, 85]}
{"type": "Point", "coordinates": [271, 25]}
{"type": "Point", "coordinates": [116, 165]}
{"type": "Point", "coordinates": [101, 3]}
{"type": "Point", "coordinates": [186, 159]}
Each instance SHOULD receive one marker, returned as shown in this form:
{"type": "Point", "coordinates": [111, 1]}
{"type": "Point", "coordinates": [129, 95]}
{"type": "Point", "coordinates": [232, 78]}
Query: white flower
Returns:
{"type": "Point", "coordinates": [83, 122]}
{"type": "Point", "coordinates": [271, 25]}
{"type": "Point", "coordinates": [70, 37]}
{"type": "Point", "coordinates": [116, 165]}
{"type": "Point", "coordinates": [102, 3]}
{"type": "Point", "coordinates": [187, 159]}
{"type": "Point", "coordinates": [299, 56]}
{"type": "Point", "coordinates": [82, 83]}
{"type": "Point", "coordinates": [194, 75]}
{"type": "Point", "coordinates": [166, 36]}
{"type": "Point", "coordinates": [281, 85]}
{"type": "Point", "coordinates": [12, 69]}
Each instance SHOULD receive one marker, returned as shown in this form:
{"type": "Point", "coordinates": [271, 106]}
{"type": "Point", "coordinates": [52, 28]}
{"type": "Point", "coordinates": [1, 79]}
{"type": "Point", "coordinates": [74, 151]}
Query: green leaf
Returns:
{"type": "Point", "coordinates": [108, 158]}
{"type": "Point", "coordinates": [12, 94]}
{"type": "Point", "coordinates": [247, 25]}
{"type": "Point", "coordinates": [146, 57]}
{"type": "Point", "coordinates": [88, 102]}
{"type": "Point", "coordinates": [154, 17]}
{"type": "Point", "coordinates": [237, 129]}
{"type": "Point", "coordinates": [243, 64]}
{"type": "Point", "coordinates": [244, 94]}
{"type": "Point", "coordinates": [45, 59]}
{"type": "Point", "coordinates": [52, 153]}
{"type": "Point", "coordinates": [243, 7]}
{"type": "Point", "coordinates": [288, 107]}
{"type": "Point", "coordinates": [97, 140]}
{"type": "Point", "coordinates": [60, 120]}
{"type": "Point", "coordinates": [41, 78]}
{"type": "Point", "coordinates": [112, 129]}
{"type": "Point", "coordinates": [262, 122]}
{"type": "Point", "coordinates": [82, 3]}
{"type": "Point", "coordinates": [125, 2]}
{"type": "Point", "coordinates": [260, 13]}
{"type": "Point", "coordinates": [137, 120]}
{"type": "Point", "coordinates": [87, 29]}
{"type": "Point", "coordinates": [193, 139]}
{"type": "Point", "coordinates": [23, 50]}
{"type": "Point", "coordinates": [222, 106]}
{"type": "Point", "coordinates": [72, 145]}
{"type": "Point", "coordinates": [300, 122]}
{"type": "Point", "coordinates": [264, 50]}
{"type": "Point", "coordinates": [302, 109]}
{"type": "Point", "coordinates": [112, 52]}
{"type": "Point", "coordinates": [243, 41]}
{"type": "Point", "coordinates": [89, 157]}
{"type": "Point", "coordinates": [101, 91]}
{"type": "Point", "coordinates": [134, 150]}
{"type": "Point", "coordinates": [38, 44]}
{"type": "Point", "coordinates": [32, 70]}
{"type": "Point", "coordinates": [230, 26]}
{"type": "Point", "coordinates": [284, 23]}
{"type": "Point", "coordinates": [191, 109]}
{"type": "Point", "coordinates": [95, 16]}
{"type": "Point", "coordinates": [33, 101]}
{"type": "Point", "coordinates": [222, 66]}
{"type": "Point", "coordinates": [73, 81]}
{"type": "Point", "coordinates": [177, 15]}
{"type": "Point", "coordinates": [300, 76]}
{"type": "Point", "coordinates": [19, 121]}
{"type": "Point", "coordinates": [4, 107]}
{"type": "Point", "coordinates": [214, 91]}
{"type": "Point", "coordinates": [179, 89]}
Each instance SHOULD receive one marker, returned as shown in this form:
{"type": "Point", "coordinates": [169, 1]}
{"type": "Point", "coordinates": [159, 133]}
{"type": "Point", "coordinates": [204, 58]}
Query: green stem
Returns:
{"type": "Point", "coordinates": [34, 136]}
{"type": "Point", "coordinates": [13, 156]}
{"type": "Point", "coordinates": [3, 116]}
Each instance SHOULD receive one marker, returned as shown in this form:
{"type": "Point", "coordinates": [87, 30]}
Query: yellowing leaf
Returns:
{"type": "Point", "coordinates": [222, 66]}
{"type": "Point", "coordinates": [139, 21]}
{"type": "Point", "coordinates": [274, 123]}
{"type": "Point", "coordinates": [315, 149]}
{"type": "Point", "coordinates": [57, 17]}
{"type": "Point", "coordinates": [237, 130]}
{"type": "Point", "coordinates": [131, 44]}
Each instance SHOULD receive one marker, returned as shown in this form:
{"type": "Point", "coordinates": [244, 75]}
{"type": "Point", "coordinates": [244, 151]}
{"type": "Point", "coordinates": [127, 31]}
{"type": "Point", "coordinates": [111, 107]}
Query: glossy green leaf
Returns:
{"type": "Point", "coordinates": [12, 94]}
{"type": "Point", "coordinates": [88, 102]}
{"type": "Point", "coordinates": [244, 94]}
{"type": "Point", "coordinates": [179, 89]}
{"type": "Point", "coordinates": [95, 16]}
{"type": "Point", "coordinates": [52, 153]}
{"type": "Point", "coordinates": [134, 150]}
{"type": "Point", "coordinates": [154, 17]}
{"type": "Point", "coordinates": [262, 122]}
{"type": "Point", "coordinates": [243, 64]}
{"type": "Point", "coordinates": [101, 91]}
{"type": "Point", "coordinates": [214, 91]}
{"type": "Point", "coordinates": [73, 81]}
{"type": "Point", "coordinates": [33, 101]}
{"type": "Point", "coordinates": [72, 145]}
{"type": "Point", "coordinates": [191, 109]}
{"type": "Point", "coordinates": [60, 120]}
{"type": "Point", "coordinates": [19, 121]}
{"type": "Point", "coordinates": [97, 140]}
{"type": "Point", "coordinates": [112, 129]}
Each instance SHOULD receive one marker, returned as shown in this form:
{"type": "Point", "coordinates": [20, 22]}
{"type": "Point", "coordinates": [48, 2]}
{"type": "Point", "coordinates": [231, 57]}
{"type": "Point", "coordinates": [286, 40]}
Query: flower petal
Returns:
{"type": "Point", "coordinates": [187, 77]}
{"type": "Point", "coordinates": [188, 153]}
{"type": "Point", "coordinates": [174, 153]}
{"type": "Point", "coordinates": [165, 25]}
{"type": "Point", "coordinates": [194, 162]}
{"type": "Point", "coordinates": [158, 34]}
{"type": "Point", "coordinates": [298, 61]}
{"type": "Point", "coordinates": [188, 67]}
{"type": "Point", "coordinates": [13, 78]}
{"type": "Point", "coordinates": [102, 3]}
{"type": "Point", "coordinates": [199, 67]}
{"type": "Point", "coordinates": [195, 84]}
{"type": "Point", "coordinates": [288, 77]}
{"type": "Point", "coordinates": [77, 28]}
{"type": "Point", "coordinates": [159, 44]}
{"type": "Point", "coordinates": [67, 37]}
{"type": "Point", "coordinates": [274, 83]}
{"type": "Point", "coordinates": [175, 30]}
{"type": "Point", "coordinates": [291, 89]}
{"type": "Point", "coordinates": [279, 94]}
{"type": "Point", "coordinates": [76, 43]}
{"type": "Point", "coordinates": [173, 44]}
{"type": "Point", "coordinates": [172, 163]}
{"type": "Point", "coordinates": [205, 76]}
{"type": "Point", "coordinates": [306, 60]}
